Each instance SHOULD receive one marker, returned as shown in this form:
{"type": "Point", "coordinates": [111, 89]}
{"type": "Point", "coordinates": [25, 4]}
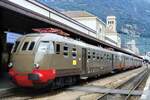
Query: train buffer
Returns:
{"type": "Point", "coordinates": [98, 89]}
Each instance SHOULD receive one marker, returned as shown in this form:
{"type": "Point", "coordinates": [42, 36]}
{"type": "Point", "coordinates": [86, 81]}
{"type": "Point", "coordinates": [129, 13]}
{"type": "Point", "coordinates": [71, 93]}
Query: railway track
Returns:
{"type": "Point", "coordinates": [108, 91]}
{"type": "Point", "coordinates": [130, 85]}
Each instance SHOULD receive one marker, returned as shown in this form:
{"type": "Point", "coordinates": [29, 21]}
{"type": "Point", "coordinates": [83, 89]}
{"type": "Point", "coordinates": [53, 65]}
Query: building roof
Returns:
{"type": "Point", "coordinates": [77, 14]}
{"type": "Point", "coordinates": [74, 14]}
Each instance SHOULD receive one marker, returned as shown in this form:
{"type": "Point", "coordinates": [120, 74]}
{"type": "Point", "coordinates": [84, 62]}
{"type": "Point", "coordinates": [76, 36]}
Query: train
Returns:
{"type": "Point", "coordinates": [49, 59]}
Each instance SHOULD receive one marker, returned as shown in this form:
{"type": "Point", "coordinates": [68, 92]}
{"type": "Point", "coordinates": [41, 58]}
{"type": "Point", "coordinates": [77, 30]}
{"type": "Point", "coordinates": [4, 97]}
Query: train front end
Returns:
{"type": "Point", "coordinates": [30, 62]}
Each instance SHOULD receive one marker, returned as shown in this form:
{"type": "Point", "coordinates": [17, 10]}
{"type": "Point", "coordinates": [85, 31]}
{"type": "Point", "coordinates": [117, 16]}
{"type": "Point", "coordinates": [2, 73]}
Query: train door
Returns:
{"type": "Point", "coordinates": [84, 60]}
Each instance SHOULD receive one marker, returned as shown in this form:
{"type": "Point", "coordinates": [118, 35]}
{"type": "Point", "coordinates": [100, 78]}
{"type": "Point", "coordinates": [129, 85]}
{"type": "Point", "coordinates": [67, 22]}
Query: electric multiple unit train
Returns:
{"type": "Point", "coordinates": [50, 59]}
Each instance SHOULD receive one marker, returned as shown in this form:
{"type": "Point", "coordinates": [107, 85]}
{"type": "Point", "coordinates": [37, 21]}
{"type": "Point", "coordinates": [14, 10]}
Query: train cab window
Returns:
{"type": "Point", "coordinates": [16, 46]}
{"type": "Point", "coordinates": [46, 47]}
{"type": "Point", "coordinates": [57, 48]}
{"type": "Point", "coordinates": [31, 45]}
{"type": "Point", "coordinates": [43, 46]}
{"type": "Point", "coordinates": [25, 46]}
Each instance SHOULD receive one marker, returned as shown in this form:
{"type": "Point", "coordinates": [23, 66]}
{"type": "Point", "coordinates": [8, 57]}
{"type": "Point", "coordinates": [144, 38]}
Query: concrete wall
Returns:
{"type": "Point", "coordinates": [116, 39]}
{"type": "Point", "coordinates": [95, 24]}
{"type": "Point", "coordinates": [101, 27]}
{"type": "Point", "coordinates": [88, 21]}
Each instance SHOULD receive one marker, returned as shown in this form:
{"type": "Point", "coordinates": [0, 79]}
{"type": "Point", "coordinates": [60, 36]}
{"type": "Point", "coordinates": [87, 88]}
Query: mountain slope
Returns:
{"type": "Point", "coordinates": [133, 16]}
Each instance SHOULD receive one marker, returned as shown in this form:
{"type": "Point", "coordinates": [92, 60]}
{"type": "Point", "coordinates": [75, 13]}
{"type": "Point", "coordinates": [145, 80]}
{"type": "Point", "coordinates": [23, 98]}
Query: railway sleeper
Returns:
{"type": "Point", "coordinates": [96, 89]}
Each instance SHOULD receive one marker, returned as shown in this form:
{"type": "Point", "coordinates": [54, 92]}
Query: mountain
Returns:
{"type": "Point", "coordinates": [133, 16]}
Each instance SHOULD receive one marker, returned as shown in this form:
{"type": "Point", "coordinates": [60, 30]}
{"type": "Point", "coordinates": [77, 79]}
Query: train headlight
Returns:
{"type": "Point", "coordinates": [36, 66]}
{"type": "Point", "coordinates": [10, 65]}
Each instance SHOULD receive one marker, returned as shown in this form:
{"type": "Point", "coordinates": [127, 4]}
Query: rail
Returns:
{"type": "Point", "coordinates": [137, 80]}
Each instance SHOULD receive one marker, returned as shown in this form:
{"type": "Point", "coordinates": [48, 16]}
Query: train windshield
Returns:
{"type": "Point", "coordinates": [46, 47]}
{"type": "Point", "coordinates": [15, 46]}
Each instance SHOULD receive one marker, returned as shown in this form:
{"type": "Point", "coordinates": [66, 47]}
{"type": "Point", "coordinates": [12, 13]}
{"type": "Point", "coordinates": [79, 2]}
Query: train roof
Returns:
{"type": "Point", "coordinates": [59, 38]}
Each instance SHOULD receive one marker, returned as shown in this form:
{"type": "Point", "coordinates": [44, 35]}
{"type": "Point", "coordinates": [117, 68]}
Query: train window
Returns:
{"type": "Point", "coordinates": [16, 46]}
{"type": "Point", "coordinates": [51, 47]}
{"type": "Point", "coordinates": [89, 57]}
{"type": "Point", "coordinates": [74, 52]}
{"type": "Point", "coordinates": [97, 55]}
{"type": "Point", "coordinates": [73, 49]}
{"type": "Point", "coordinates": [65, 48]}
{"type": "Point", "coordinates": [89, 54]}
{"type": "Point", "coordinates": [104, 56]}
{"type": "Point", "coordinates": [25, 46]}
{"type": "Point", "coordinates": [66, 51]}
{"type": "Point", "coordinates": [31, 46]}
{"type": "Point", "coordinates": [57, 48]}
{"type": "Point", "coordinates": [43, 46]}
{"type": "Point", "coordinates": [93, 55]}
{"type": "Point", "coordinates": [108, 57]}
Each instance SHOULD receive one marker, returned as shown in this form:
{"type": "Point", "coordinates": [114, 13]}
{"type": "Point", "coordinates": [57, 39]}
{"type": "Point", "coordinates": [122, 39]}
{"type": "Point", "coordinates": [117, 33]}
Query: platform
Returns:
{"type": "Point", "coordinates": [146, 91]}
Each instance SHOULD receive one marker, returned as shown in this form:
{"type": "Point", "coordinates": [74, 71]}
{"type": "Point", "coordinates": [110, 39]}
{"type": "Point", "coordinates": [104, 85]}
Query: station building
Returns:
{"type": "Point", "coordinates": [104, 31]}
{"type": "Point", "coordinates": [89, 20]}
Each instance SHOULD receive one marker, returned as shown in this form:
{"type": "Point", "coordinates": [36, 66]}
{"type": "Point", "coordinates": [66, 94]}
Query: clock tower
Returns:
{"type": "Point", "coordinates": [111, 32]}
{"type": "Point", "coordinates": [111, 24]}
